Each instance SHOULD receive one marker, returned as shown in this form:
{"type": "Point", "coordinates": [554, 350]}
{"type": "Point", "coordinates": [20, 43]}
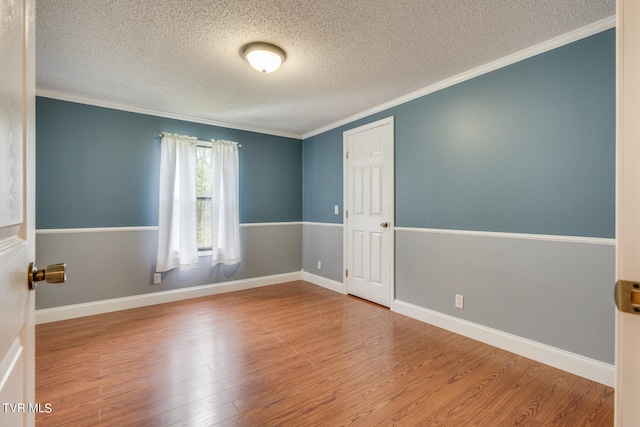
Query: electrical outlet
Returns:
{"type": "Point", "coordinates": [459, 301]}
{"type": "Point", "coordinates": [319, 265]}
{"type": "Point", "coordinates": [336, 210]}
{"type": "Point", "coordinates": [157, 278]}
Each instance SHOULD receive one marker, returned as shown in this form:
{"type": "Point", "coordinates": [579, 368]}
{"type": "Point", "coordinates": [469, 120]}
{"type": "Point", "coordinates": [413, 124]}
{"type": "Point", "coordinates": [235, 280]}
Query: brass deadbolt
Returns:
{"type": "Point", "coordinates": [627, 296]}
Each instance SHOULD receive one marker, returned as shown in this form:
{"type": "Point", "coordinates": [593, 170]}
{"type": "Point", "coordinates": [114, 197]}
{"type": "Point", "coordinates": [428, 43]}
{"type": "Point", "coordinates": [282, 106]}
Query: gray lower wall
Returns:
{"type": "Point", "coordinates": [103, 264]}
{"type": "Point", "coordinates": [554, 291]}
{"type": "Point", "coordinates": [557, 293]}
{"type": "Point", "coordinates": [323, 242]}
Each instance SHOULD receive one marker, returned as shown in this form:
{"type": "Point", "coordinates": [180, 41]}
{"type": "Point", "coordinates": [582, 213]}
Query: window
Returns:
{"type": "Point", "coordinates": [197, 202]}
{"type": "Point", "coordinates": [203, 196]}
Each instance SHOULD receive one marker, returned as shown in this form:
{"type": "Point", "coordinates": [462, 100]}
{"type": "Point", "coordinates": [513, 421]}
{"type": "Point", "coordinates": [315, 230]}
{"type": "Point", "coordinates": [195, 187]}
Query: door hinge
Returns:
{"type": "Point", "coordinates": [346, 213]}
{"type": "Point", "coordinates": [627, 296]}
{"type": "Point", "coordinates": [346, 273]}
{"type": "Point", "coordinates": [346, 154]}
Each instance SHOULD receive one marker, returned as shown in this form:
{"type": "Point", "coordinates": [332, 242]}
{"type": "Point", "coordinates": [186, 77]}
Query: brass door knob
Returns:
{"type": "Point", "coordinates": [56, 273]}
{"type": "Point", "coordinates": [384, 225]}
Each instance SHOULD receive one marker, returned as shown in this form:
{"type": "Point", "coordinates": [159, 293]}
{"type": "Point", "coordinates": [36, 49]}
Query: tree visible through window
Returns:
{"type": "Point", "coordinates": [203, 194]}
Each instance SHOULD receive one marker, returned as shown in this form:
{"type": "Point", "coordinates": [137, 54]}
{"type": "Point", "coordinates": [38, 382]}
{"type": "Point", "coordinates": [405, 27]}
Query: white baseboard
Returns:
{"type": "Point", "coordinates": [594, 370]}
{"type": "Point", "coordinates": [116, 304]}
{"type": "Point", "coordinates": [324, 282]}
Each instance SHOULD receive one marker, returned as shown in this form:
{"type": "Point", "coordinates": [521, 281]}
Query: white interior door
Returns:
{"type": "Point", "coordinates": [628, 208]}
{"type": "Point", "coordinates": [369, 216]}
{"type": "Point", "coordinates": [17, 133]}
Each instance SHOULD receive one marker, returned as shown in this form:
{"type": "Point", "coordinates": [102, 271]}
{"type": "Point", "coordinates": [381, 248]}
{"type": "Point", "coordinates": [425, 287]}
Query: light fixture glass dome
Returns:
{"type": "Point", "coordinates": [264, 57]}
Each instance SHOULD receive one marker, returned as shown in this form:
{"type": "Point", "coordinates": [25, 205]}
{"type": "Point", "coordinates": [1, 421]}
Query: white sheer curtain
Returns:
{"type": "Point", "coordinates": [225, 216]}
{"type": "Point", "coordinates": [177, 238]}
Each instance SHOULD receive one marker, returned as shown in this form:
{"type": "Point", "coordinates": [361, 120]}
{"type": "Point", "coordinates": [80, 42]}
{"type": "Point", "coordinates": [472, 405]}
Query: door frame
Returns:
{"type": "Point", "coordinates": [345, 203]}
{"type": "Point", "coordinates": [627, 386]}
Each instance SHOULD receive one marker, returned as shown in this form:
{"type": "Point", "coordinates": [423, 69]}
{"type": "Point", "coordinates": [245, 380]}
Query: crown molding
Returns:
{"type": "Point", "coordinates": [573, 36]}
{"type": "Point", "coordinates": [158, 113]}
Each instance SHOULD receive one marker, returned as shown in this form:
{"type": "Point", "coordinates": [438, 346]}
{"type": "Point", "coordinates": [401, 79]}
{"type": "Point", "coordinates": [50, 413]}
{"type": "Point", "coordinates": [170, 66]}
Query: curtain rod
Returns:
{"type": "Point", "coordinates": [208, 142]}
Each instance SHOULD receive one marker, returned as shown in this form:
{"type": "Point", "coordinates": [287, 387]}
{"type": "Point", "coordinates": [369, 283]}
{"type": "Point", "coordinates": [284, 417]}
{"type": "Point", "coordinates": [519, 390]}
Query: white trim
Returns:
{"type": "Point", "coordinates": [594, 370]}
{"type": "Point", "coordinates": [149, 228]}
{"type": "Point", "coordinates": [55, 314]}
{"type": "Point", "coordinates": [322, 224]}
{"type": "Point", "coordinates": [580, 33]}
{"type": "Point", "coordinates": [324, 282]}
{"type": "Point", "coordinates": [44, 93]}
{"type": "Point", "coordinates": [269, 224]}
{"type": "Point", "coordinates": [93, 230]}
{"type": "Point", "coordinates": [523, 236]}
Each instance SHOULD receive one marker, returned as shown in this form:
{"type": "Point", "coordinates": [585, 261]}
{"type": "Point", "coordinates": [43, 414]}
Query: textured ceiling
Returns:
{"type": "Point", "coordinates": [343, 56]}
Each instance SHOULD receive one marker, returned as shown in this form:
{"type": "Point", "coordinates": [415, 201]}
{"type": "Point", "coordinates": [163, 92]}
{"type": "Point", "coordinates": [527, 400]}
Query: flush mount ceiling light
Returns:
{"type": "Point", "coordinates": [264, 57]}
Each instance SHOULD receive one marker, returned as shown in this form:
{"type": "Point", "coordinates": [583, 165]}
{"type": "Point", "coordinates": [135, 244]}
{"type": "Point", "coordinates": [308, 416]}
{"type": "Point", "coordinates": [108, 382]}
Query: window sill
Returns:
{"type": "Point", "coordinates": [205, 253]}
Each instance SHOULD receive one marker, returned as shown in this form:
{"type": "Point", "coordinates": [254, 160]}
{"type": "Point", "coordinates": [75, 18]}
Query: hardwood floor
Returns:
{"type": "Point", "coordinates": [294, 354]}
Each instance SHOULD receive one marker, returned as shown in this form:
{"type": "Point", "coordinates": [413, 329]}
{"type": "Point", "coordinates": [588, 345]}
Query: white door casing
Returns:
{"type": "Point", "coordinates": [17, 214]}
{"type": "Point", "coordinates": [369, 211]}
{"type": "Point", "coordinates": [627, 394]}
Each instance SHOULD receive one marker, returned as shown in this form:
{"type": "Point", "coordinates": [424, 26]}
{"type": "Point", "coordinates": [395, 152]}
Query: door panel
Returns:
{"type": "Point", "coordinates": [376, 259]}
{"type": "Point", "coordinates": [376, 190]}
{"type": "Point", "coordinates": [358, 255]}
{"type": "Point", "coordinates": [358, 191]}
{"type": "Point", "coordinates": [17, 248]}
{"type": "Point", "coordinates": [369, 205]}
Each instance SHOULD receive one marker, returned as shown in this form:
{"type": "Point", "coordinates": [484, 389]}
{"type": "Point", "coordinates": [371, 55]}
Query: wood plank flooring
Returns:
{"type": "Point", "coordinates": [294, 354]}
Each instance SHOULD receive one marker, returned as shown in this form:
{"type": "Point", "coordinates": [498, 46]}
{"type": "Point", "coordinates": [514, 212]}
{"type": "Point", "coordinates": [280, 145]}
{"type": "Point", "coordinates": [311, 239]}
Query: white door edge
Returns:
{"type": "Point", "coordinates": [627, 387]}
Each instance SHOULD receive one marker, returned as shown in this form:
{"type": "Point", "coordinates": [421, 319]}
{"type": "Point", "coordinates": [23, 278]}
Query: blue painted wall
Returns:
{"type": "Point", "coordinates": [322, 166]}
{"type": "Point", "coordinates": [528, 148]}
{"type": "Point", "coordinates": [106, 162]}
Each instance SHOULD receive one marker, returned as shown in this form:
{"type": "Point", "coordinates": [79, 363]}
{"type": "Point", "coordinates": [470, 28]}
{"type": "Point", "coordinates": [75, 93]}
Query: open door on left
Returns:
{"type": "Point", "coordinates": [17, 213]}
